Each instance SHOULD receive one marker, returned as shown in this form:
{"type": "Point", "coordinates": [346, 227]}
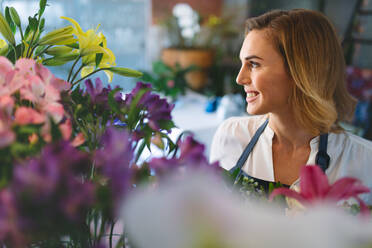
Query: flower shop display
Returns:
{"type": "Point", "coordinates": [69, 160]}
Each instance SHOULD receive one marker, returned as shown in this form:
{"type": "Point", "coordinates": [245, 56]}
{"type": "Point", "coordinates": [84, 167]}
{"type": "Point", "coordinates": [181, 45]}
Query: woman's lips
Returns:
{"type": "Point", "coordinates": [251, 96]}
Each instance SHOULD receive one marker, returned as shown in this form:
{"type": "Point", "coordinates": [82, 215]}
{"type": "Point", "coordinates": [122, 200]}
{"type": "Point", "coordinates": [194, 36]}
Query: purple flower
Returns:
{"type": "Point", "coordinates": [9, 226]}
{"type": "Point", "coordinates": [113, 161]}
{"type": "Point", "coordinates": [99, 94]}
{"type": "Point", "coordinates": [52, 187]}
{"type": "Point", "coordinates": [191, 156]}
{"type": "Point", "coordinates": [155, 112]}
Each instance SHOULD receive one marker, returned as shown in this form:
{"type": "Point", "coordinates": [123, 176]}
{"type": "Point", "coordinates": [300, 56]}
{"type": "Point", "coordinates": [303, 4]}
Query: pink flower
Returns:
{"type": "Point", "coordinates": [25, 115]}
{"type": "Point", "coordinates": [7, 104]}
{"type": "Point", "coordinates": [314, 188]}
{"type": "Point", "coordinates": [170, 83]}
{"type": "Point", "coordinates": [78, 140]}
{"type": "Point", "coordinates": [66, 129]}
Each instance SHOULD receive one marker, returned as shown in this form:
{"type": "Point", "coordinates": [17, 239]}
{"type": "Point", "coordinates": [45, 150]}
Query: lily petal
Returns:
{"type": "Point", "coordinates": [345, 188]}
{"type": "Point", "coordinates": [313, 183]}
{"type": "Point", "coordinates": [75, 23]}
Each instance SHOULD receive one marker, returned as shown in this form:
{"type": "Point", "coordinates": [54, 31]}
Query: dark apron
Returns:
{"type": "Point", "coordinates": [322, 158]}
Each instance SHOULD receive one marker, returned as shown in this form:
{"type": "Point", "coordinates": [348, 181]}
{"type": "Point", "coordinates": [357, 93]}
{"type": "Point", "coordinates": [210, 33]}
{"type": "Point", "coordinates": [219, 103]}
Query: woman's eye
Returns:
{"type": "Point", "coordinates": [253, 64]}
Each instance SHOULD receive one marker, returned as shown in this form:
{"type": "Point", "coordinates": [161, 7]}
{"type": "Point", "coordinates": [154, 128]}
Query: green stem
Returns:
{"type": "Point", "coordinates": [77, 72]}
{"type": "Point", "coordinates": [46, 48]}
{"type": "Point", "coordinates": [32, 41]}
{"type": "Point", "coordinates": [72, 68]}
{"type": "Point", "coordinates": [15, 52]}
{"type": "Point", "coordinates": [102, 230]}
{"type": "Point", "coordinates": [22, 39]}
{"type": "Point", "coordinates": [100, 69]}
{"type": "Point", "coordinates": [33, 49]}
{"type": "Point", "coordinates": [111, 232]}
{"type": "Point", "coordinates": [33, 37]}
{"type": "Point", "coordinates": [140, 150]}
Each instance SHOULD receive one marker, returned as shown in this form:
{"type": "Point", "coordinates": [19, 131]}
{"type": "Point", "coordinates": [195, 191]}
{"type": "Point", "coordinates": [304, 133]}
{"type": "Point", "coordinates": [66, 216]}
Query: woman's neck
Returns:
{"type": "Point", "coordinates": [287, 132]}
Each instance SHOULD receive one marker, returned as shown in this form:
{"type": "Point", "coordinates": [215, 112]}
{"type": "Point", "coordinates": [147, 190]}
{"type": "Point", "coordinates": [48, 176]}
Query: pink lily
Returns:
{"type": "Point", "coordinates": [314, 188]}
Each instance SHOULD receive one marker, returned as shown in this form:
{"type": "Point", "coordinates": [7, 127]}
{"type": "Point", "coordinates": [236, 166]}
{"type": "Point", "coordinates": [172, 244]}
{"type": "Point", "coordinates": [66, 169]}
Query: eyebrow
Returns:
{"type": "Point", "coordinates": [252, 57]}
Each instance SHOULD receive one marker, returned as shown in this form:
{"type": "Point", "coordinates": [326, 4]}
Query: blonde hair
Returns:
{"type": "Point", "coordinates": [314, 59]}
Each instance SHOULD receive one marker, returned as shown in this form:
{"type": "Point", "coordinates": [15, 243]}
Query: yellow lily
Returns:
{"type": "Point", "coordinates": [91, 44]}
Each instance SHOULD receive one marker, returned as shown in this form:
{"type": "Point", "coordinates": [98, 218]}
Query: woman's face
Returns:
{"type": "Point", "coordinates": [263, 75]}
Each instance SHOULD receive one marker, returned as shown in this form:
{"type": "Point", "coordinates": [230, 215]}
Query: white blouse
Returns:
{"type": "Point", "coordinates": [350, 155]}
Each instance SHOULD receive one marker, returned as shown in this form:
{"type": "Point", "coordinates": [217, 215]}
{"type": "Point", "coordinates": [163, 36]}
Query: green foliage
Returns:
{"type": "Point", "coordinates": [167, 80]}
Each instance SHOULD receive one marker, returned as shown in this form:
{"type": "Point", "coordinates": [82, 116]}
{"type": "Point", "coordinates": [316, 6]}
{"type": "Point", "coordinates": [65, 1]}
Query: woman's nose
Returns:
{"type": "Point", "coordinates": [243, 76]}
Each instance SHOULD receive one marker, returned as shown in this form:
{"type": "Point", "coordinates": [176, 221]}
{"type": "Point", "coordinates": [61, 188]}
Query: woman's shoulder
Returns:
{"type": "Point", "coordinates": [238, 124]}
{"type": "Point", "coordinates": [354, 143]}
{"type": "Point", "coordinates": [231, 137]}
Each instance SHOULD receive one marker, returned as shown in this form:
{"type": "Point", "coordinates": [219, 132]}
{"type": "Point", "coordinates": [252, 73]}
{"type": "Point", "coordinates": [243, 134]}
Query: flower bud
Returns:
{"type": "Point", "coordinates": [5, 30]}
{"type": "Point", "coordinates": [56, 34]}
{"type": "Point", "coordinates": [58, 50]}
{"type": "Point", "coordinates": [15, 16]}
{"type": "Point", "coordinates": [54, 62]}
{"type": "Point", "coordinates": [58, 40]}
{"type": "Point", "coordinates": [125, 71]}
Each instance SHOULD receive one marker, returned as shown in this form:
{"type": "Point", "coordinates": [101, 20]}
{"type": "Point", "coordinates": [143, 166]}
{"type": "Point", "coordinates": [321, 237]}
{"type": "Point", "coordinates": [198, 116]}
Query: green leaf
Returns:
{"type": "Point", "coordinates": [19, 149]}
{"type": "Point", "coordinates": [166, 124]}
{"type": "Point", "coordinates": [147, 77]}
{"type": "Point", "coordinates": [134, 109]}
{"type": "Point", "coordinates": [42, 5]}
{"type": "Point", "coordinates": [10, 54]}
{"type": "Point", "coordinates": [73, 45]}
{"type": "Point", "coordinates": [160, 68]}
{"type": "Point", "coordinates": [55, 131]}
{"type": "Point", "coordinates": [42, 25]}
{"type": "Point", "coordinates": [99, 57]}
{"type": "Point", "coordinates": [112, 102]}
{"type": "Point", "coordinates": [32, 23]}
{"type": "Point", "coordinates": [9, 20]}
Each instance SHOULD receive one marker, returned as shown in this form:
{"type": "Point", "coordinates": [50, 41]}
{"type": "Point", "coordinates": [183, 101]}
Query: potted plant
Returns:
{"type": "Point", "coordinates": [196, 40]}
{"type": "Point", "coordinates": [169, 81]}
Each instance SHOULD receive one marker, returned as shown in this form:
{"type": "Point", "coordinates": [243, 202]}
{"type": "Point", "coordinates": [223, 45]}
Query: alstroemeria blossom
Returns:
{"type": "Point", "coordinates": [31, 94]}
{"type": "Point", "coordinates": [315, 188]}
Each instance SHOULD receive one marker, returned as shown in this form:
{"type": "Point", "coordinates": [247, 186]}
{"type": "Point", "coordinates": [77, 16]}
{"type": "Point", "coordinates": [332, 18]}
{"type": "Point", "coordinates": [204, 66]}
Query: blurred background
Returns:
{"type": "Point", "coordinates": [189, 49]}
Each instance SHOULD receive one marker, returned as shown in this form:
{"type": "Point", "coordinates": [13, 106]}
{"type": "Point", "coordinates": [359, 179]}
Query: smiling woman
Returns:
{"type": "Point", "coordinates": [293, 72]}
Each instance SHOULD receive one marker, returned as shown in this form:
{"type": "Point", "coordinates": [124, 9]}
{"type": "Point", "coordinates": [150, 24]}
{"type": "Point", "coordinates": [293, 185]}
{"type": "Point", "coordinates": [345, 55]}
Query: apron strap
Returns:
{"type": "Point", "coordinates": [322, 158]}
{"type": "Point", "coordinates": [249, 149]}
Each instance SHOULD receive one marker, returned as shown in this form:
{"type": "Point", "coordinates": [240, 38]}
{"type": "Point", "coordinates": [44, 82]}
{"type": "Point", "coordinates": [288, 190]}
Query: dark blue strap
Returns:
{"type": "Point", "coordinates": [322, 158]}
{"type": "Point", "coordinates": [248, 149]}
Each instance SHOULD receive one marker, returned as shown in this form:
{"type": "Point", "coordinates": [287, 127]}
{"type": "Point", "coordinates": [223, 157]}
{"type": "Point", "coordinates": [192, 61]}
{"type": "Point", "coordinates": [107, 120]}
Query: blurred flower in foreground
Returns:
{"type": "Point", "coordinates": [197, 211]}
{"type": "Point", "coordinates": [47, 193]}
{"type": "Point", "coordinates": [113, 161]}
{"type": "Point", "coordinates": [315, 189]}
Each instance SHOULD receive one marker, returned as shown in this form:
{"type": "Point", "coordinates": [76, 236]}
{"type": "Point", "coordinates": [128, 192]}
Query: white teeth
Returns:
{"type": "Point", "coordinates": [251, 94]}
